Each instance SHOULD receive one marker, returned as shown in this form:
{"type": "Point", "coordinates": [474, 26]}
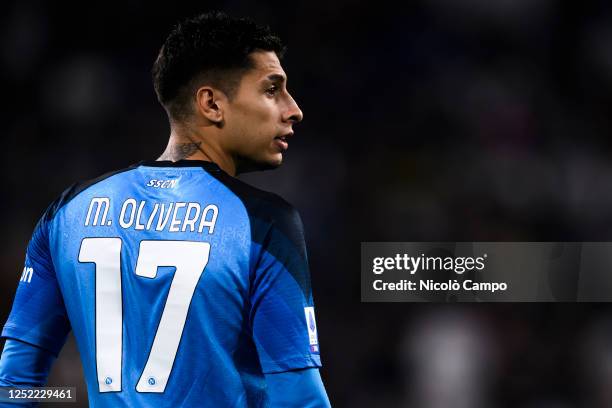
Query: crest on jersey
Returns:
{"type": "Point", "coordinates": [311, 323]}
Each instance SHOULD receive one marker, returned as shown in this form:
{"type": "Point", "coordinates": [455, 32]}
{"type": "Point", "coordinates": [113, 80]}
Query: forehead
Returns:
{"type": "Point", "coordinates": [265, 63]}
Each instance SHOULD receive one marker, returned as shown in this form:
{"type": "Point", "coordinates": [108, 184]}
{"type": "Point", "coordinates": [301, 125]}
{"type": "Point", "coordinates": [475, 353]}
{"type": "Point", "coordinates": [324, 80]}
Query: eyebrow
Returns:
{"type": "Point", "coordinates": [276, 78]}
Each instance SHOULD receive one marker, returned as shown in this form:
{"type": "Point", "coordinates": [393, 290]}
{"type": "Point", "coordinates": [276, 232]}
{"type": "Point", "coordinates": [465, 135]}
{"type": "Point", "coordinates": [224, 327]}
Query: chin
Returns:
{"type": "Point", "coordinates": [269, 163]}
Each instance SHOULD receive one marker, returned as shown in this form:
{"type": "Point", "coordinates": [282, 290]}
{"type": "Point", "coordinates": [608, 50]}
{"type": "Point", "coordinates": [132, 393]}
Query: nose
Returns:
{"type": "Point", "coordinates": [293, 112]}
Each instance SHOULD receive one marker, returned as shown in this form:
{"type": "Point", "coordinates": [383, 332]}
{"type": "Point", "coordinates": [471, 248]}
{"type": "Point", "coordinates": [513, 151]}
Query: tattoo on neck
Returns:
{"type": "Point", "coordinates": [179, 151]}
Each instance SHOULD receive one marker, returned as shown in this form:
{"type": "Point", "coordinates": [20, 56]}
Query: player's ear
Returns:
{"type": "Point", "coordinates": [209, 103]}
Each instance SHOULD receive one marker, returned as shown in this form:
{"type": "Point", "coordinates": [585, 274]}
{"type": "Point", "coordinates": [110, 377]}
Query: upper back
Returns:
{"type": "Point", "coordinates": [168, 273]}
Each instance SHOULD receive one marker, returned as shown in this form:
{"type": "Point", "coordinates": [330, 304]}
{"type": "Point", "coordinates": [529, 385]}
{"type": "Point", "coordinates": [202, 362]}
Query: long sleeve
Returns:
{"type": "Point", "coordinates": [298, 388]}
{"type": "Point", "coordinates": [23, 365]}
{"type": "Point", "coordinates": [38, 315]}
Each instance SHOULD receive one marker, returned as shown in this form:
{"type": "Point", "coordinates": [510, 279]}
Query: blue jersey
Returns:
{"type": "Point", "coordinates": [183, 287]}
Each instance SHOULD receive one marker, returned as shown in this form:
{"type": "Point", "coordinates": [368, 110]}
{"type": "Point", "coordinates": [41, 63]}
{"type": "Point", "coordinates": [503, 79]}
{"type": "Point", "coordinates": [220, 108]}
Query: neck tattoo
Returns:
{"type": "Point", "coordinates": [179, 151]}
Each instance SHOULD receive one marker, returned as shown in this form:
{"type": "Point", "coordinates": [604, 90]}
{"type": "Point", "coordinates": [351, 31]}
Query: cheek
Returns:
{"type": "Point", "coordinates": [263, 114]}
{"type": "Point", "coordinates": [254, 122]}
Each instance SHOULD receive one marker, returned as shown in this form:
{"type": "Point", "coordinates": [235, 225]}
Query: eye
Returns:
{"type": "Point", "coordinates": [272, 90]}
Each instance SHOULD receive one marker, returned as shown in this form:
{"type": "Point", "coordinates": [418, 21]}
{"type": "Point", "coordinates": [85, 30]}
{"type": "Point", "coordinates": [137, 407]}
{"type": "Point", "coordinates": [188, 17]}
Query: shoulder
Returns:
{"type": "Point", "coordinates": [74, 190]}
{"type": "Point", "coordinates": [260, 204]}
{"type": "Point", "coordinates": [267, 211]}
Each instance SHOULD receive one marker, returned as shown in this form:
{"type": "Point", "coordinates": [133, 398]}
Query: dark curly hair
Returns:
{"type": "Point", "coordinates": [210, 48]}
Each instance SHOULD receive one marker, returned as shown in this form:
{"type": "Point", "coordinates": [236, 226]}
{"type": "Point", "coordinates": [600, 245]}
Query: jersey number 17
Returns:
{"type": "Point", "coordinates": [189, 257]}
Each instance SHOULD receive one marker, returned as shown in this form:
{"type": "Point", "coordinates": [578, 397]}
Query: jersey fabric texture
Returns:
{"type": "Point", "coordinates": [186, 283]}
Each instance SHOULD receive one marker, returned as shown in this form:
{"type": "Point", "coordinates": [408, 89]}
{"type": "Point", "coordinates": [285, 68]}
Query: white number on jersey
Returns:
{"type": "Point", "coordinates": [190, 259]}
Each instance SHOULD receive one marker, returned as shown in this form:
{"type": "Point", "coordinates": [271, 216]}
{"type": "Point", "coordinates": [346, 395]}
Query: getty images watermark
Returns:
{"type": "Point", "coordinates": [486, 271]}
{"type": "Point", "coordinates": [412, 265]}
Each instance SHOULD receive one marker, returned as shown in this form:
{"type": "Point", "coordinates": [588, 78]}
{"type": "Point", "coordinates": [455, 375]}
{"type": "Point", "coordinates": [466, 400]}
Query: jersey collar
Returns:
{"type": "Point", "coordinates": [180, 163]}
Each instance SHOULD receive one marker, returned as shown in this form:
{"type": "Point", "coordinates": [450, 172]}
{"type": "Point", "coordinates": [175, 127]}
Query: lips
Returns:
{"type": "Point", "coordinates": [281, 141]}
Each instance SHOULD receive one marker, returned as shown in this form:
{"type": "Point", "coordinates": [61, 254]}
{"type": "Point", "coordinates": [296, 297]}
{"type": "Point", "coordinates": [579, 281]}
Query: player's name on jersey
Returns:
{"type": "Point", "coordinates": [148, 216]}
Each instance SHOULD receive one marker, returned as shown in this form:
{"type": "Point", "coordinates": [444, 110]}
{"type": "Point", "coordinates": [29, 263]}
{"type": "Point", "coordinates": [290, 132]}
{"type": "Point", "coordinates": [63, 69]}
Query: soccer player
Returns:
{"type": "Point", "coordinates": [184, 286]}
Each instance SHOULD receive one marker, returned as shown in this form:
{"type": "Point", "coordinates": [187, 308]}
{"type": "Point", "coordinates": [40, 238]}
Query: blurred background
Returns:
{"type": "Point", "coordinates": [437, 120]}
